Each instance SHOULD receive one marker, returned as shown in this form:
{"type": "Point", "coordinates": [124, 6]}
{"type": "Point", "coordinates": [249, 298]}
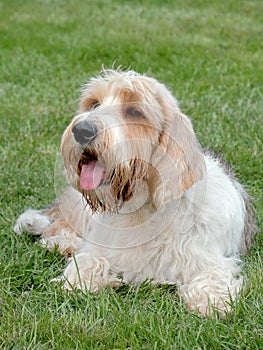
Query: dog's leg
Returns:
{"type": "Point", "coordinates": [216, 284]}
{"type": "Point", "coordinates": [61, 225]}
{"type": "Point", "coordinates": [32, 221]}
{"type": "Point", "coordinates": [88, 273]}
{"type": "Point", "coordinates": [61, 236]}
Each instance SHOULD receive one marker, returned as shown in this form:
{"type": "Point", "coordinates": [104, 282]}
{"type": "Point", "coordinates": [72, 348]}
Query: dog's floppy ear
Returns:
{"type": "Point", "coordinates": [178, 160]}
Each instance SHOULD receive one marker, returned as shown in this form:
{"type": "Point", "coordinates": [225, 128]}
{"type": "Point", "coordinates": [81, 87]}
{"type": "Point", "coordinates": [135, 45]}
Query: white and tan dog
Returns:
{"type": "Point", "coordinates": [145, 202]}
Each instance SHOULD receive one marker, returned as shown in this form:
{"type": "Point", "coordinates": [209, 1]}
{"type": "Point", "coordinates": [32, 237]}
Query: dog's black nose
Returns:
{"type": "Point", "coordinates": [84, 132]}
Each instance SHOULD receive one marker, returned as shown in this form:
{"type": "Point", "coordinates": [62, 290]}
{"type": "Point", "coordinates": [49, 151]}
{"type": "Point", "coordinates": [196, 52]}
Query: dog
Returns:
{"type": "Point", "coordinates": [144, 201]}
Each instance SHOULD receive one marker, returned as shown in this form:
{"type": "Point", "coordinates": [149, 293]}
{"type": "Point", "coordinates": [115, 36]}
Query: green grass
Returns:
{"type": "Point", "coordinates": [209, 53]}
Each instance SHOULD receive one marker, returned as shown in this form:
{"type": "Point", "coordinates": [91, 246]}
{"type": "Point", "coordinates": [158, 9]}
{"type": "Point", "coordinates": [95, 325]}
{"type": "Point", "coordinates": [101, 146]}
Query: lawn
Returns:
{"type": "Point", "coordinates": [209, 53]}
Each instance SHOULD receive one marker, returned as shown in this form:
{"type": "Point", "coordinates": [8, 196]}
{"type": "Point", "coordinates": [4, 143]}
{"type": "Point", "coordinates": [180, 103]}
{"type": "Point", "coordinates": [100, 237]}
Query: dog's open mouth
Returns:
{"type": "Point", "coordinates": [91, 173]}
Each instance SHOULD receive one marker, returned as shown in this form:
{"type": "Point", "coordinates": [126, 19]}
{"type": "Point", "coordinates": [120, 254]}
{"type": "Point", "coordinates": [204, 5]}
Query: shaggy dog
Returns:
{"type": "Point", "coordinates": [144, 201]}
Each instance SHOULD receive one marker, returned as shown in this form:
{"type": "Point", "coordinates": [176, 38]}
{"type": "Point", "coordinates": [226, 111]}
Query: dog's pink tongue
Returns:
{"type": "Point", "coordinates": [91, 176]}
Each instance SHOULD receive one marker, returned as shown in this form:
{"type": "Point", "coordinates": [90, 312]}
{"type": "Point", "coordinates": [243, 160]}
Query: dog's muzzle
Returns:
{"type": "Point", "coordinates": [84, 132]}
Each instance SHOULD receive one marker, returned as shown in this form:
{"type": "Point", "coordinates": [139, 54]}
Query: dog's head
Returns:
{"type": "Point", "coordinates": [129, 130]}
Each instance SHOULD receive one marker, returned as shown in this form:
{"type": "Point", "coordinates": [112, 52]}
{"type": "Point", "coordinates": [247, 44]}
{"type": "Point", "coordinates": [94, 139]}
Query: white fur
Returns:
{"type": "Point", "coordinates": [31, 221]}
{"type": "Point", "coordinates": [199, 254]}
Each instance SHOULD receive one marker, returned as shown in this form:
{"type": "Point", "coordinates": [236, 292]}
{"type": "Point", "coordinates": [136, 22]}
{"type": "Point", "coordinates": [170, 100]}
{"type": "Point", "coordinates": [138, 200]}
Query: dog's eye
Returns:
{"type": "Point", "coordinates": [94, 105]}
{"type": "Point", "coordinates": [133, 112]}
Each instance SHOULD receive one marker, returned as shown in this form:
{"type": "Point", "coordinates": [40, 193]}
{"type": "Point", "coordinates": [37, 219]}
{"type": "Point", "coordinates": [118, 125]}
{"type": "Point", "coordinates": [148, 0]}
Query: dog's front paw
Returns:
{"type": "Point", "coordinates": [87, 274]}
{"type": "Point", "coordinates": [65, 243]}
{"type": "Point", "coordinates": [76, 284]}
{"type": "Point", "coordinates": [32, 222]}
